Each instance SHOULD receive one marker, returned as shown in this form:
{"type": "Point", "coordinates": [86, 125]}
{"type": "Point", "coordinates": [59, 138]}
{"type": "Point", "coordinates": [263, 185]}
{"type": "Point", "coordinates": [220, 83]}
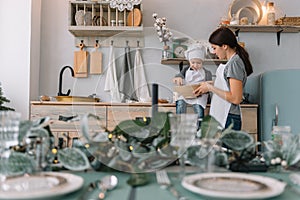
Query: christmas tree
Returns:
{"type": "Point", "coordinates": [4, 100]}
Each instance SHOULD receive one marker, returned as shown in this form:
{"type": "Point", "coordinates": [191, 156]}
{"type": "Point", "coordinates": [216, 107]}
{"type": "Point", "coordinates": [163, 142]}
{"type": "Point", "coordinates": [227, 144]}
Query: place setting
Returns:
{"type": "Point", "coordinates": [209, 162]}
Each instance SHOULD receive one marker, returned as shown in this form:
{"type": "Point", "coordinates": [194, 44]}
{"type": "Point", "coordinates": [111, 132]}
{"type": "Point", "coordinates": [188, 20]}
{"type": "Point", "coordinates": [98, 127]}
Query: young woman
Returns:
{"type": "Point", "coordinates": [230, 79]}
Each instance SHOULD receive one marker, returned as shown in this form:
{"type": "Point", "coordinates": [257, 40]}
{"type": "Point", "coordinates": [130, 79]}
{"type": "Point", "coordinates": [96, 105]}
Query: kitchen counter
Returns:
{"type": "Point", "coordinates": [113, 113]}
{"type": "Point", "coordinates": [119, 104]}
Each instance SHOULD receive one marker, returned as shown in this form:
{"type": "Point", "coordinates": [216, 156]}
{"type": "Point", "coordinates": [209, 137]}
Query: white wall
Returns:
{"type": "Point", "coordinates": [35, 48]}
{"type": "Point", "coordinates": [197, 20]}
{"type": "Point", "coordinates": [15, 17]}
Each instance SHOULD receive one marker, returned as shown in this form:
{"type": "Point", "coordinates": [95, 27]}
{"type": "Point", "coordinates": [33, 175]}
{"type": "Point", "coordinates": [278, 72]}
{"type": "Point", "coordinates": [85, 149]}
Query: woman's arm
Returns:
{"type": "Point", "coordinates": [234, 95]}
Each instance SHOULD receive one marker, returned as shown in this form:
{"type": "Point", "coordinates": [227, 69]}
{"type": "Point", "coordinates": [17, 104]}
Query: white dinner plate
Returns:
{"type": "Point", "coordinates": [233, 185]}
{"type": "Point", "coordinates": [237, 5]}
{"type": "Point", "coordinates": [40, 186]}
{"type": "Point", "coordinates": [248, 12]}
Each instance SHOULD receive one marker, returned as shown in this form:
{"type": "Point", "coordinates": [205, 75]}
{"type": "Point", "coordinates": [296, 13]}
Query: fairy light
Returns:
{"type": "Point", "coordinates": [54, 151]}
{"type": "Point", "coordinates": [130, 147]}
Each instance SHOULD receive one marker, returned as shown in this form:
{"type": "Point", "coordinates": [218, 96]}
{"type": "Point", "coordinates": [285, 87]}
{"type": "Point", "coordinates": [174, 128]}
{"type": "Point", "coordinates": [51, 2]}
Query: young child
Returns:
{"type": "Point", "coordinates": [193, 74]}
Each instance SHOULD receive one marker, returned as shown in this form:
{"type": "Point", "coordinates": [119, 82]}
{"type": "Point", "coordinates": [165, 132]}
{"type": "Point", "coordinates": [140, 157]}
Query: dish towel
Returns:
{"type": "Point", "coordinates": [111, 82]}
{"type": "Point", "coordinates": [140, 81]}
{"type": "Point", "coordinates": [126, 78]}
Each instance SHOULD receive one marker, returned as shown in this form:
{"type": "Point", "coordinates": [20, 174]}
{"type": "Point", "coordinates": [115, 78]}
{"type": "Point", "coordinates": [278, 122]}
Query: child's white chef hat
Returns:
{"type": "Point", "coordinates": [195, 51]}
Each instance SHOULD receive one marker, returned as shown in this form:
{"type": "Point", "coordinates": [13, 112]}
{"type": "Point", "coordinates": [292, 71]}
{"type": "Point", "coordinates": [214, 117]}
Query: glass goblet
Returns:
{"type": "Point", "coordinates": [183, 129]}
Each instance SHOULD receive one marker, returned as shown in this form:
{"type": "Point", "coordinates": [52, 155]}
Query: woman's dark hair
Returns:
{"type": "Point", "coordinates": [224, 35]}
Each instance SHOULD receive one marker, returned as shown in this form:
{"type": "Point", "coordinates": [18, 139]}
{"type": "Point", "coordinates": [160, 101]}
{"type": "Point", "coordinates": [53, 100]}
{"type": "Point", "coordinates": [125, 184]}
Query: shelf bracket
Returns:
{"type": "Point", "coordinates": [278, 36]}
{"type": "Point", "coordinates": [237, 32]}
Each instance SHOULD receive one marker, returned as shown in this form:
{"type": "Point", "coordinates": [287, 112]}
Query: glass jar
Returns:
{"type": "Point", "coordinates": [120, 23]}
{"type": "Point", "coordinates": [112, 22]}
{"type": "Point", "coordinates": [270, 13]}
{"type": "Point", "coordinates": [277, 133]}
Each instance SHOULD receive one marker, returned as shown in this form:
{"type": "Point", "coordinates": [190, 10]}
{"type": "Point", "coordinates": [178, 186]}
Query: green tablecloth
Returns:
{"type": "Point", "coordinates": [152, 191]}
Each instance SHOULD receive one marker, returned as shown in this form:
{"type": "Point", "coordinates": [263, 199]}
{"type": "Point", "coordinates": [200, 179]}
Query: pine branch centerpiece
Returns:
{"type": "Point", "coordinates": [4, 100]}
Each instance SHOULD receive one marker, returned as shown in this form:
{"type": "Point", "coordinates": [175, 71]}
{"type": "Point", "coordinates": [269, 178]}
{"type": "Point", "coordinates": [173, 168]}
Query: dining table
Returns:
{"type": "Point", "coordinates": [152, 190]}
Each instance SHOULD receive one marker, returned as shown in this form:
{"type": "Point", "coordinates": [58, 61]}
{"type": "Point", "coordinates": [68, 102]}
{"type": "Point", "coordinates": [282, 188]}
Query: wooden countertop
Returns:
{"type": "Point", "coordinates": [57, 103]}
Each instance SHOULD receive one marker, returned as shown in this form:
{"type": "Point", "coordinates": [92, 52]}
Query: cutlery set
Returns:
{"type": "Point", "coordinates": [164, 180]}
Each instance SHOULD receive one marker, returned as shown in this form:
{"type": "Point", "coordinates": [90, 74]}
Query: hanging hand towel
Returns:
{"type": "Point", "coordinates": [140, 82]}
{"type": "Point", "coordinates": [126, 78]}
{"type": "Point", "coordinates": [111, 82]}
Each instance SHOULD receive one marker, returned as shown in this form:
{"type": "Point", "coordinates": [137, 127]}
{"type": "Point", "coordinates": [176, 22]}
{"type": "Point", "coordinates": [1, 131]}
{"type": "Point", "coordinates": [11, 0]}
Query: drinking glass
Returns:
{"type": "Point", "coordinates": [183, 129]}
{"type": "Point", "coordinates": [9, 130]}
{"type": "Point", "coordinates": [204, 153]}
{"type": "Point", "coordinates": [37, 143]}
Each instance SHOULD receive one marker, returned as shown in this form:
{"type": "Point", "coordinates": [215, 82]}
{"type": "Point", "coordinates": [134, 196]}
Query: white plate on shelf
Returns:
{"type": "Point", "coordinates": [255, 5]}
{"type": "Point", "coordinates": [248, 12]}
{"type": "Point", "coordinates": [233, 185]}
{"type": "Point", "coordinates": [40, 186]}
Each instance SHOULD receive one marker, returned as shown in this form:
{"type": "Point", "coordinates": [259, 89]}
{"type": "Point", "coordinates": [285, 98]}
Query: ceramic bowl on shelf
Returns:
{"type": "Point", "coordinates": [252, 9]}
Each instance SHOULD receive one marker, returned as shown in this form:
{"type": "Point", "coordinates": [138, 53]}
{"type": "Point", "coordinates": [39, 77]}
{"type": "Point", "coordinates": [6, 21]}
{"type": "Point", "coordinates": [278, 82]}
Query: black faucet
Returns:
{"type": "Point", "coordinates": [60, 81]}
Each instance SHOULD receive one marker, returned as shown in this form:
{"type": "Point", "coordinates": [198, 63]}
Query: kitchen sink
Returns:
{"type": "Point", "coordinates": [76, 99]}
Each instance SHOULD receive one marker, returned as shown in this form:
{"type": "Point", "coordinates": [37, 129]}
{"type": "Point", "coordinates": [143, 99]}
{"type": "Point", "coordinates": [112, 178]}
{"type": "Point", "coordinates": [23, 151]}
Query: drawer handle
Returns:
{"type": "Point", "coordinates": [67, 119]}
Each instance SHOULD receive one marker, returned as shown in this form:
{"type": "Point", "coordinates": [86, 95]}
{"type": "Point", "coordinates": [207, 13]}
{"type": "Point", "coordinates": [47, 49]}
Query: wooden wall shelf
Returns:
{"type": "Point", "coordinates": [265, 28]}
{"type": "Point", "coordinates": [176, 61]}
{"type": "Point", "coordinates": [105, 31]}
{"type": "Point", "coordinates": [87, 26]}
{"type": "Point", "coordinates": [278, 29]}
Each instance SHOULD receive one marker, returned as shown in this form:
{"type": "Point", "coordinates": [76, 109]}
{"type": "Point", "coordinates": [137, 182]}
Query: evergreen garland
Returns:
{"type": "Point", "coordinates": [4, 100]}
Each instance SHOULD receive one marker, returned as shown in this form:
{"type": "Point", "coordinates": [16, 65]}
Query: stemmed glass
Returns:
{"type": "Point", "coordinates": [183, 128]}
{"type": "Point", "coordinates": [9, 130]}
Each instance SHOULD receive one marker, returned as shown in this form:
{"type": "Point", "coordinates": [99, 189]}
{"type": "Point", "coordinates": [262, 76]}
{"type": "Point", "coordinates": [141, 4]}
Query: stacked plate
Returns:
{"type": "Point", "coordinates": [251, 9]}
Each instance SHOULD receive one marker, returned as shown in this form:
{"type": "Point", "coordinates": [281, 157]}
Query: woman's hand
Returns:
{"type": "Point", "coordinates": [178, 81]}
{"type": "Point", "coordinates": [203, 88]}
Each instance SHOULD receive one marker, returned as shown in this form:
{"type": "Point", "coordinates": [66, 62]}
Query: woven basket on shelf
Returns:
{"type": "Point", "coordinates": [289, 21]}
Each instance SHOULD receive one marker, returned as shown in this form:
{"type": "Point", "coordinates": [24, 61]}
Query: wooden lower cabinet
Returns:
{"type": "Point", "coordinates": [116, 114]}
{"type": "Point", "coordinates": [112, 114]}
{"type": "Point", "coordinates": [67, 131]}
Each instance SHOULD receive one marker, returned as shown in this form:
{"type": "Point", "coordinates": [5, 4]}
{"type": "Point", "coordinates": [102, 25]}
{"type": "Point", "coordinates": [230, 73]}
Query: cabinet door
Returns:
{"type": "Point", "coordinates": [39, 111]}
{"type": "Point", "coordinates": [249, 117]}
{"type": "Point", "coordinates": [116, 114]}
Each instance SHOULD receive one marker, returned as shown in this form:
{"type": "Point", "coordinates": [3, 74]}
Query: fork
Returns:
{"type": "Point", "coordinates": [163, 180]}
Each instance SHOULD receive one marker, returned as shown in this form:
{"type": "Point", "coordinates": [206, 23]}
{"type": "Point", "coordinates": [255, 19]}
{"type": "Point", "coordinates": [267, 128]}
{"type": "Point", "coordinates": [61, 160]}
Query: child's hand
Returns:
{"type": "Point", "coordinates": [178, 80]}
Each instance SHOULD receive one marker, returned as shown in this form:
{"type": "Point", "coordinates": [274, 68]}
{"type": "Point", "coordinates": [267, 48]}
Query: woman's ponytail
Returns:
{"type": "Point", "coordinates": [245, 57]}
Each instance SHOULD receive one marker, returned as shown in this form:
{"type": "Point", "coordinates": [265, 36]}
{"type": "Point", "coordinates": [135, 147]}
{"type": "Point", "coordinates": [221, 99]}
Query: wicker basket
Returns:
{"type": "Point", "coordinates": [289, 21]}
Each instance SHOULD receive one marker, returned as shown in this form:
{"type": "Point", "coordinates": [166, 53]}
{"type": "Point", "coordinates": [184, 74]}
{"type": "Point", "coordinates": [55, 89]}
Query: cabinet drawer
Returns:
{"type": "Point", "coordinates": [116, 114]}
{"type": "Point", "coordinates": [54, 112]}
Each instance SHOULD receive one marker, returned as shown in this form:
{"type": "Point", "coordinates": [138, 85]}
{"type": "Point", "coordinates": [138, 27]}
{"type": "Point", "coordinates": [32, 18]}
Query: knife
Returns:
{"type": "Point", "coordinates": [88, 189]}
{"type": "Point", "coordinates": [132, 193]}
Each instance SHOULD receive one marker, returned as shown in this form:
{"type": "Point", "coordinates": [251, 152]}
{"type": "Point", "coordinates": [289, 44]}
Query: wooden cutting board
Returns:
{"type": "Point", "coordinates": [80, 63]}
{"type": "Point", "coordinates": [134, 17]}
{"type": "Point", "coordinates": [96, 61]}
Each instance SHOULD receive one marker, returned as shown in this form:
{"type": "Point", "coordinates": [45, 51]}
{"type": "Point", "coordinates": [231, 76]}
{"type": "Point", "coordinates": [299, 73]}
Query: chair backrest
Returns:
{"type": "Point", "coordinates": [279, 88]}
